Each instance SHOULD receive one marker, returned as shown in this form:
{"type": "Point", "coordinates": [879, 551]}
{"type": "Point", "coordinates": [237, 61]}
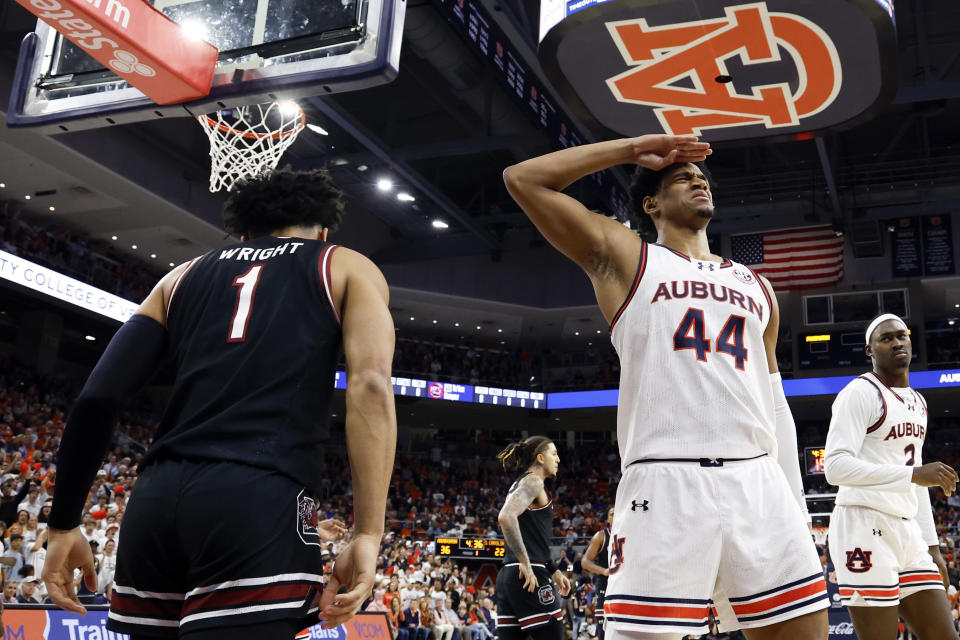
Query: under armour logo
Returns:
{"type": "Point", "coordinates": [640, 505]}
{"type": "Point", "coordinates": [877, 532]}
{"type": "Point", "coordinates": [705, 265]}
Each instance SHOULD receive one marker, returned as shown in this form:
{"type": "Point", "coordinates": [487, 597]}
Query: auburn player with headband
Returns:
{"type": "Point", "coordinates": [707, 444]}
{"type": "Point", "coordinates": [882, 539]}
{"type": "Point", "coordinates": [528, 584]}
{"type": "Point", "coordinates": [221, 538]}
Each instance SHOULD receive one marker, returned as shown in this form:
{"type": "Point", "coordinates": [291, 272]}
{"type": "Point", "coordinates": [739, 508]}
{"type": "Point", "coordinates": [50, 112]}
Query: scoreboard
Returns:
{"type": "Point", "coordinates": [813, 460]}
{"type": "Point", "coordinates": [471, 548]}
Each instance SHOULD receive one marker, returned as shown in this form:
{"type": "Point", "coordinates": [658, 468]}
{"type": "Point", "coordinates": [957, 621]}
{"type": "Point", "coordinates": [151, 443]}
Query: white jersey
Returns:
{"type": "Point", "coordinates": [875, 439]}
{"type": "Point", "coordinates": [694, 379]}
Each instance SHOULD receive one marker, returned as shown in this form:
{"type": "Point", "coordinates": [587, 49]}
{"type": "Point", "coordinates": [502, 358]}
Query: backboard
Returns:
{"type": "Point", "coordinates": [269, 50]}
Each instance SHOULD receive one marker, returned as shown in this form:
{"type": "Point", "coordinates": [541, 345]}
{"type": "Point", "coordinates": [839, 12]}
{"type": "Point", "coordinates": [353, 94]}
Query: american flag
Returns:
{"type": "Point", "coordinates": [793, 258]}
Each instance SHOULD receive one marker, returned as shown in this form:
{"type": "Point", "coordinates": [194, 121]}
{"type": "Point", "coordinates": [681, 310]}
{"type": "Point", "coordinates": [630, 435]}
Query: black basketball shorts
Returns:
{"type": "Point", "coordinates": [215, 544]}
{"type": "Point", "coordinates": [523, 609]}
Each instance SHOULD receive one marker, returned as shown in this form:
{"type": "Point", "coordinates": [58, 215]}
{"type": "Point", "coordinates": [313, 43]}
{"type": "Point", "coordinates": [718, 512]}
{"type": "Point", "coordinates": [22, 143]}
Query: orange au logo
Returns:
{"type": "Point", "coordinates": [679, 69]}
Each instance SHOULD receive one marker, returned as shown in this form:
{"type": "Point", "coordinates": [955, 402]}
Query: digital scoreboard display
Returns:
{"type": "Point", "coordinates": [471, 548]}
{"type": "Point", "coordinates": [813, 460]}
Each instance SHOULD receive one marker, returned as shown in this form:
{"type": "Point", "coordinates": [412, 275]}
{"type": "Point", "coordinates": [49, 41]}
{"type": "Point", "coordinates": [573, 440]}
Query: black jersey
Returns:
{"type": "Point", "coordinates": [536, 527]}
{"type": "Point", "coordinates": [603, 557]}
{"type": "Point", "coordinates": [255, 340]}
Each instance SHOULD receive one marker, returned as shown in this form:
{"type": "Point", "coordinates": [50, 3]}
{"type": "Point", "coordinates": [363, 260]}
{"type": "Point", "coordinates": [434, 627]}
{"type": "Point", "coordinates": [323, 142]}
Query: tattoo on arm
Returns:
{"type": "Point", "coordinates": [516, 503]}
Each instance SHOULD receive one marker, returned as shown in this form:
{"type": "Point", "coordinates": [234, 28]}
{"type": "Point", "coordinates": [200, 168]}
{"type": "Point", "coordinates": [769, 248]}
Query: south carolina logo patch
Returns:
{"type": "Point", "coordinates": [307, 519]}
{"type": "Point", "coordinates": [545, 593]}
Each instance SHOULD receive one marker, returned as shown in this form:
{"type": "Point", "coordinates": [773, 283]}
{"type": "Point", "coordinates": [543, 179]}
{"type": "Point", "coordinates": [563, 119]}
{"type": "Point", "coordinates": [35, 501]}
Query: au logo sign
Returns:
{"type": "Point", "coordinates": [697, 51]}
{"type": "Point", "coordinates": [732, 71]}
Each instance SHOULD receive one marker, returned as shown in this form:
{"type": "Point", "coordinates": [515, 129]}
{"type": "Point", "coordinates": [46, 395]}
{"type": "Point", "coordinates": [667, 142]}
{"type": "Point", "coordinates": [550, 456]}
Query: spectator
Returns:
{"type": "Point", "coordinates": [395, 614]}
{"type": "Point", "coordinates": [9, 592]}
{"type": "Point", "coordinates": [442, 627]}
{"type": "Point", "coordinates": [12, 559]}
{"type": "Point", "coordinates": [33, 503]}
{"type": "Point", "coordinates": [28, 591]}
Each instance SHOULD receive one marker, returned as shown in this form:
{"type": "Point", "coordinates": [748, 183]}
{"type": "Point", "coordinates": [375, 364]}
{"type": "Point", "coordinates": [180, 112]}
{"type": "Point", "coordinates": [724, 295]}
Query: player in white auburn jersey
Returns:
{"type": "Point", "coordinates": [710, 513]}
{"type": "Point", "coordinates": [882, 537]}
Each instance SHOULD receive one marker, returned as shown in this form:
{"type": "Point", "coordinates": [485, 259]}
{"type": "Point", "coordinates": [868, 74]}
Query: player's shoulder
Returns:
{"type": "Point", "coordinates": [861, 387]}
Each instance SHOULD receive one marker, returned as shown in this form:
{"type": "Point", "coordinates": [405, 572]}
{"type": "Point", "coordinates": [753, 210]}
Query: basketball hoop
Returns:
{"type": "Point", "coordinates": [247, 141]}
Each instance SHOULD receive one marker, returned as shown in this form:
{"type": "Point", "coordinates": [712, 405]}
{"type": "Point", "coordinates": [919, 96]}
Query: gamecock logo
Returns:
{"type": "Point", "coordinates": [680, 69]}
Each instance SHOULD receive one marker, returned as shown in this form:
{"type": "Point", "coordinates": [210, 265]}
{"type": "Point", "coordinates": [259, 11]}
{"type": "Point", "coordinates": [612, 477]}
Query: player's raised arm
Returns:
{"type": "Point", "coordinates": [371, 425]}
{"type": "Point", "coordinates": [588, 239]}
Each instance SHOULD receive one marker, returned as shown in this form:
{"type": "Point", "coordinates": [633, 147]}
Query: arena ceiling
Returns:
{"type": "Point", "coordinates": [444, 130]}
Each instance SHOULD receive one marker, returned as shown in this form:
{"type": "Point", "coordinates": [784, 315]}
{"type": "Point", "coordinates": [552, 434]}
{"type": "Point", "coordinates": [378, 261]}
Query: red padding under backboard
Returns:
{"type": "Point", "coordinates": [137, 42]}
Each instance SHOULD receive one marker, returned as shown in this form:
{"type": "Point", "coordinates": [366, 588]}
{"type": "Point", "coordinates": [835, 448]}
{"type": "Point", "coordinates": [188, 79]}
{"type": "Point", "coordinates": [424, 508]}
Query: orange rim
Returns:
{"type": "Point", "coordinates": [251, 135]}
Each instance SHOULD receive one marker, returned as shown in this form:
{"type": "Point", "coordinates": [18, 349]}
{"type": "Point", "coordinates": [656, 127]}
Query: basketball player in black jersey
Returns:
{"type": "Point", "coordinates": [596, 560]}
{"type": "Point", "coordinates": [221, 537]}
{"type": "Point", "coordinates": [528, 600]}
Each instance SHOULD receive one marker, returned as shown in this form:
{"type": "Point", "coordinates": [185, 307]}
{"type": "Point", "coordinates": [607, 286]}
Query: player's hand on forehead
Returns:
{"type": "Point", "coordinates": [659, 151]}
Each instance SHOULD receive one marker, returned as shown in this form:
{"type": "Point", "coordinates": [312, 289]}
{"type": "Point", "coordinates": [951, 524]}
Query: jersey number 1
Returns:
{"type": "Point", "coordinates": [729, 341]}
{"type": "Point", "coordinates": [241, 310]}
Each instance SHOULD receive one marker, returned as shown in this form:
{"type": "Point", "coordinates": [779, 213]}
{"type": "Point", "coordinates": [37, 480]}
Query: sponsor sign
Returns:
{"type": "Point", "coordinates": [43, 280]}
{"type": "Point", "coordinates": [54, 624]}
{"type": "Point", "coordinates": [135, 41]}
{"type": "Point", "coordinates": [723, 69]}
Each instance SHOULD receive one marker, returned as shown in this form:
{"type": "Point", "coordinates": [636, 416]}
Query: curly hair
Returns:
{"type": "Point", "coordinates": [647, 182]}
{"type": "Point", "coordinates": [283, 198]}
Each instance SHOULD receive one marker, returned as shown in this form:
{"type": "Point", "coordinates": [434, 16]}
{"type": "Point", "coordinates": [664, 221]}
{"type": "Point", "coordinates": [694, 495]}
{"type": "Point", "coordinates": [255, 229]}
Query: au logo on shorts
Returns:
{"type": "Point", "coordinates": [545, 593]}
{"type": "Point", "coordinates": [616, 553]}
{"type": "Point", "coordinates": [307, 521]}
{"type": "Point", "coordinates": [858, 560]}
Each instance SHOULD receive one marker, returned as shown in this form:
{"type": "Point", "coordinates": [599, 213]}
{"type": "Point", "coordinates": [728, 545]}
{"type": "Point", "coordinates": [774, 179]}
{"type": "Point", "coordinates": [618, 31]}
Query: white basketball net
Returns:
{"type": "Point", "coordinates": [247, 141]}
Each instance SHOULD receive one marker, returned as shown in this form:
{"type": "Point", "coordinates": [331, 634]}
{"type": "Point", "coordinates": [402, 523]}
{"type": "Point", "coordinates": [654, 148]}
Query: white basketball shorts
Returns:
{"type": "Point", "coordinates": [687, 538]}
{"type": "Point", "coordinates": [879, 558]}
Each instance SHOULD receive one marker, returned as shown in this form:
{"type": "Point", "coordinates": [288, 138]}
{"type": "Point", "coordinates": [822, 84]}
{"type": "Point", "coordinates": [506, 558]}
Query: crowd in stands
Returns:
{"type": "Point", "coordinates": [446, 486]}
{"type": "Point", "coordinates": [75, 254]}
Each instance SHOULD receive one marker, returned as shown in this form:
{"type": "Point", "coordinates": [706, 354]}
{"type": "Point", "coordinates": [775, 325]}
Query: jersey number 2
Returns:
{"type": "Point", "coordinates": [729, 340]}
{"type": "Point", "coordinates": [241, 310]}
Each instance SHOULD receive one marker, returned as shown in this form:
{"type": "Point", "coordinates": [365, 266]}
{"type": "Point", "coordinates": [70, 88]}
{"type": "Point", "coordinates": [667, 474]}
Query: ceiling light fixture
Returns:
{"type": "Point", "coordinates": [412, 318]}
{"type": "Point", "coordinates": [288, 108]}
{"type": "Point", "coordinates": [362, 167]}
{"type": "Point", "coordinates": [113, 237]}
{"type": "Point", "coordinates": [172, 265]}
{"type": "Point", "coordinates": [53, 208]}
{"type": "Point", "coordinates": [384, 184]}
{"type": "Point", "coordinates": [133, 246]}
{"type": "Point", "coordinates": [403, 196]}
{"type": "Point", "coordinates": [90, 338]}
{"type": "Point", "coordinates": [456, 324]}
{"type": "Point", "coordinates": [27, 197]}
{"type": "Point", "coordinates": [439, 224]}
{"type": "Point", "coordinates": [153, 255]}
{"type": "Point", "coordinates": [317, 129]}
